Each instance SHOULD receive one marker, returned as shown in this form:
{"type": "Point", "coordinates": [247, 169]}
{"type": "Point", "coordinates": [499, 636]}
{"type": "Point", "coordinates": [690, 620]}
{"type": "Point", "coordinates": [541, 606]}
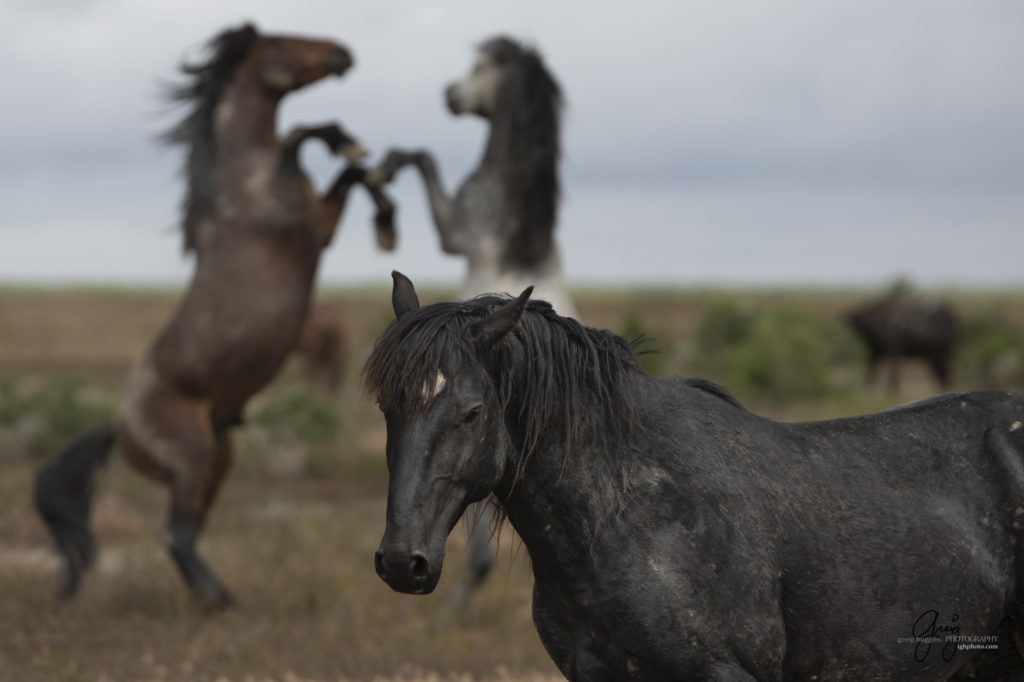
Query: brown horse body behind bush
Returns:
{"type": "Point", "coordinates": [257, 228]}
{"type": "Point", "coordinates": [322, 346]}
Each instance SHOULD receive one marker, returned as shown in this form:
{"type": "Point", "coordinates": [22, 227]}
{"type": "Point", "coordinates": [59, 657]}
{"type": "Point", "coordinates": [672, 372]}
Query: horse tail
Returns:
{"type": "Point", "coordinates": [63, 496]}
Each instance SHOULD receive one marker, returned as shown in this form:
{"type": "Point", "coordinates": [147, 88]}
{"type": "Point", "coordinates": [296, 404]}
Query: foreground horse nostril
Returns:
{"type": "Point", "coordinates": [378, 563]}
{"type": "Point", "coordinates": [419, 567]}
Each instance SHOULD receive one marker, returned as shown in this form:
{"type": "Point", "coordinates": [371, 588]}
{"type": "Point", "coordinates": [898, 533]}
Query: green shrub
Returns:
{"type": "Point", "coordinates": [43, 417]}
{"type": "Point", "coordinates": [990, 354]}
{"type": "Point", "coordinates": [300, 409]}
{"type": "Point", "coordinates": [780, 355]}
{"type": "Point", "coordinates": [293, 427]}
{"type": "Point", "coordinates": [653, 356]}
{"type": "Point", "coordinates": [723, 327]}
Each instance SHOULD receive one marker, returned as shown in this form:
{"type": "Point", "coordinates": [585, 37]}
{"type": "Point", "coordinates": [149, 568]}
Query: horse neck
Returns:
{"type": "Point", "coordinates": [510, 150]}
{"type": "Point", "coordinates": [557, 503]}
{"type": "Point", "coordinates": [247, 161]}
{"type": "Point", "coordinates": [500, 144]}
{"type": "Point", "coordinates": [555, 496]}
{"type": "Point", "coordinates": [245, 119]}
{"type": "Point", "coordinates": [523, 156]}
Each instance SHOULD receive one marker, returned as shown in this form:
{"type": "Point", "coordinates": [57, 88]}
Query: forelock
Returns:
{"type": "Point", "coordinates": [405, 368]}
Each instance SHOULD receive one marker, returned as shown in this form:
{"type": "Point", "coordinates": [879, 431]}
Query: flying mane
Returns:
{"type": "Point", "coordinates": [202, 91]}
{"type": "Point", "coordinates": [532, 101]}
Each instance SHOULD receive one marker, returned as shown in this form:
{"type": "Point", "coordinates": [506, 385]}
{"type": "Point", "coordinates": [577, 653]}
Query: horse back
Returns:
{"type": "Point", "coordinates": [778, 538]}
{"type": "Point", "coordinates": [907, 522]}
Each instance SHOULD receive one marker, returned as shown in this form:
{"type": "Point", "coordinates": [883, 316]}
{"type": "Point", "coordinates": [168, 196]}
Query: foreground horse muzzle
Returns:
{"type": "Point", "coordinates": [408, 571]}
{"type": "Point", "coordinates": [425, 501]}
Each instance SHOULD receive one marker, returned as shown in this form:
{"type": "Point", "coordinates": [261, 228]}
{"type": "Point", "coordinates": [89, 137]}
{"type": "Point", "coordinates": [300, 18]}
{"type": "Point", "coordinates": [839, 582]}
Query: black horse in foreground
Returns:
{"type": "Point", "coordinates": [674, 535]}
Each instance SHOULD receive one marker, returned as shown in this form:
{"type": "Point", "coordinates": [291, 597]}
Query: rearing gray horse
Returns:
{"type": "Point", "coordinates": [502, 218]}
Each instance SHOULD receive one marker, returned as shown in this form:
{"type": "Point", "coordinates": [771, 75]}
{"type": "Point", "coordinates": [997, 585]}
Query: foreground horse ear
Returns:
{"type": "Point", "coordinates": [403, 295]}
{"type": "Point", "coordinates": [489, 331]}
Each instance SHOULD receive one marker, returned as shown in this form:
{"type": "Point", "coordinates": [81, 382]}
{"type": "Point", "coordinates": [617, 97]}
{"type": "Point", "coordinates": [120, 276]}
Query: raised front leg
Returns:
{"type": "Point", "coordinates": [384, 219]}
{"type": "Point", "coordinates": [440, 202]}
{"type": "Point", "coordinates": [332, 204]}
{"type": "Point", "coordinates": [336, 139]}
{"type": "Point", "coordinates": [334, 200]}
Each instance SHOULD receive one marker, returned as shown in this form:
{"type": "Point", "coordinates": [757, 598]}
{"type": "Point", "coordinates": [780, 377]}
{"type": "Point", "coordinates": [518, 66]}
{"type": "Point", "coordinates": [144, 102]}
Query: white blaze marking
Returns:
{"type": "Point", "coordinates": [1015, 425]}
{"type": "Point", "coordinates": [432, 391]}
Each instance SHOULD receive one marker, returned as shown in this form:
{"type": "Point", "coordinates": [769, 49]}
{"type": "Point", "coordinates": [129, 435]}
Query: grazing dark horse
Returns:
{"type": "Point", "coordinates": [257, 228]}
{"type": "Point", "coordinates": [502, 218]}
{"type": "Point", "coordinates": [898, 326]}
{"type": "Point", "coordinates": [674, 535]}
{"type": "Point", "coordinates": [321, 348]}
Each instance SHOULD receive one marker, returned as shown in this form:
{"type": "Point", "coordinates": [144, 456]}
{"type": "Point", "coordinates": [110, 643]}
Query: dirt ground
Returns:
{"type": "Point", "coordinates": [292, 535]}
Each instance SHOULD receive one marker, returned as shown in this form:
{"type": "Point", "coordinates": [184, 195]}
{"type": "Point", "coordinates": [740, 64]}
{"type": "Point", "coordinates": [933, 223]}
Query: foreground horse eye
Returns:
{"type": "Point", "coordinates": [471, 415]}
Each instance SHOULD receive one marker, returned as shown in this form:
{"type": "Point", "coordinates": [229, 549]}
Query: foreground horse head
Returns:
{"type": "Point", "coordinates": [675, 535]}
{"type": "Point", "coordinates": [447, 446]}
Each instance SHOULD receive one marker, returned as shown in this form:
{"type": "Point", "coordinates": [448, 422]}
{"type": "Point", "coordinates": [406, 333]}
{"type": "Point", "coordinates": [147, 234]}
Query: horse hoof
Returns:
{"type": "Point", "coordinates": [375, 177]}
{"type": "Point", "coordinates": [384, 229]}
{"type": "Point", "coordinates": [214, 600]}
{"type": "Point", "coordinates": [386, 240]}
{"type": "Point", "coordinates": [353, 152]}
{"type": "Point", "coordinates": [216, 605]}
{"type": "Point", "coordinates": [67, 588]}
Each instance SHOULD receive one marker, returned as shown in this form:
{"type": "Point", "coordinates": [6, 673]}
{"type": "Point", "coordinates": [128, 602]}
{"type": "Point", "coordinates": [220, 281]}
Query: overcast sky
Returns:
{"type": "Point", "coordinates": [722, 141]}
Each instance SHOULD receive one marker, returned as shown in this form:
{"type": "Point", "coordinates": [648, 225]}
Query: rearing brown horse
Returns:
{"type": "Point", "coordinates": [257, 228]}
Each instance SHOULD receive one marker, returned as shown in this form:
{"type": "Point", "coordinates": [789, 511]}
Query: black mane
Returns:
{"type": "Point", "coordinates": [532, 100]}
{"type": "Point", "coordinates": [202, 91]}
{"type": "Point", "coordinates": [562, 372]}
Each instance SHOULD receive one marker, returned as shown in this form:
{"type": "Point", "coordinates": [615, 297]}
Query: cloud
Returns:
{"type": "Point", "coordinates": [727, 100]}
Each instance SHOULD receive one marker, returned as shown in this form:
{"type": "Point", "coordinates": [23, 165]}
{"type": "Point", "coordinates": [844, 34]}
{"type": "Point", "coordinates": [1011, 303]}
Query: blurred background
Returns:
{"type": "Point", "coordinates": [737, 176]}
{"type": "Point", "coordinates": [704, 142]}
